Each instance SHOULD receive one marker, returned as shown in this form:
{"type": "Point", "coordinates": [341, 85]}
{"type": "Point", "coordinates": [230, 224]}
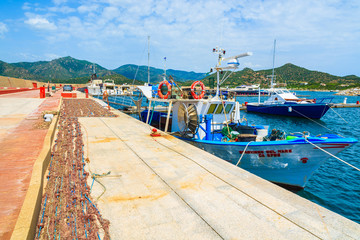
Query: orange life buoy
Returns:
{"type": "Point", "coordinates": [168, 87]}
{"type": "Point", "coordinates": [195, 96]}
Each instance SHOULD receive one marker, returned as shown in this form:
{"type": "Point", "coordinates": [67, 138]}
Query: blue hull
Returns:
{"type": "Point", "coordinates": [315, 111]}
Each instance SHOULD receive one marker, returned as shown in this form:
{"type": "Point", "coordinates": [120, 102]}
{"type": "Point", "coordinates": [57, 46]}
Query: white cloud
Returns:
{"type": "Point", "coordinates": [40, 23]}
{"type": "Point", "coordinates": [88, 8]}
{"type": "Point", "coordinates": [59, 2]}
{"type": "Point", "coordinates": [3, 29]}
{"type": "Point", "coordinates": [62, 9]}
{"type": "Point", "coordinates": [26, 6]}
{"type": "Point", "coordinates": [51, 56]}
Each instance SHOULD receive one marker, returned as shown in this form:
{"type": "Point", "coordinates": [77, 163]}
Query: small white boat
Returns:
{"type": "Point", "coordinates": [109, 87]}
{"type": "Point", "coordinates": [94, 85]}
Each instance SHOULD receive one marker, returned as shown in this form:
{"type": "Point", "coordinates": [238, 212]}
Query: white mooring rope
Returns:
{"type": "Point", "coordinates": [243, 152]}
{"type": "Point", "coordinates": [332, 155]}
{"type": "Point", "coordinates": [339, 115]}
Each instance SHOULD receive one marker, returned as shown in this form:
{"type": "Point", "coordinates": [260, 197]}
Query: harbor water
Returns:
{"type": "Point", "coordinates": [335, 185]}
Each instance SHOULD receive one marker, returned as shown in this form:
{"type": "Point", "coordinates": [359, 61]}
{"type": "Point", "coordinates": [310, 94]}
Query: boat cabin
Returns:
{"type": "Point", "coordinates": [216, 111]}
{"type": "Point", "coordinates": [109, 86]}
{"type": "Point", "coordinates": [279, 96]}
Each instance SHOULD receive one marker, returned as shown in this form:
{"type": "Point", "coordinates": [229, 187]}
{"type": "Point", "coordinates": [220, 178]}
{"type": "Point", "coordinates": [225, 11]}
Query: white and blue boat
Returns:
{"type": "Point", "coordinates": [215, 125]}
{"type": "Point", "coordinates": [285, 103]}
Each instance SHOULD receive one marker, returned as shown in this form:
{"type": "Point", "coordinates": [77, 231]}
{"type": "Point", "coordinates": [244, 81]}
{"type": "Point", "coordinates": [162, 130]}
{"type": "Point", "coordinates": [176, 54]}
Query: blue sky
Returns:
{"type": "Point", "coordinates": [321, 35]}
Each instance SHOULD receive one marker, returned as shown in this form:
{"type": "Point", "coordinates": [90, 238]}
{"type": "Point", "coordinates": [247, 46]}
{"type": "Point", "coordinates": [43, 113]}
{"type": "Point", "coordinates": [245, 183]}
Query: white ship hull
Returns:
{"type": "Point", "coordinates": [282, 162]}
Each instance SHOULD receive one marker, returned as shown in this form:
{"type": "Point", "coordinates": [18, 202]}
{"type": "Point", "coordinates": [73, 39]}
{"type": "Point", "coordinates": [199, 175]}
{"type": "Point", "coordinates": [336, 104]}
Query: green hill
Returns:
{"type": "Point", "coordinates": [71, 70]}
{"type": "Point", "coordinates": [9, 70]}
{"type": "Point", "coordinates": [62, 68]}
{"type": "Point", "coordinates": [156, 75]}
{"type": "Point", "coordinates": [289, 75]}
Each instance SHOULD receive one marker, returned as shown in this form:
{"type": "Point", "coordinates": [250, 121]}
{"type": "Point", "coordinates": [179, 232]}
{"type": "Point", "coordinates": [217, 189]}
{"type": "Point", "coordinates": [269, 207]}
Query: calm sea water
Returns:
{"type": "Point", "coordinates": [334, 185]}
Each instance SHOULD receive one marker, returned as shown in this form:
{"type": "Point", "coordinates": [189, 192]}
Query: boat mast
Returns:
{"type": "Point", "coordinates": [148, 60]}
{"type": "Point", "coordinates": [221, 52]}
{"type": "Point", "coordinates": [272, 75]}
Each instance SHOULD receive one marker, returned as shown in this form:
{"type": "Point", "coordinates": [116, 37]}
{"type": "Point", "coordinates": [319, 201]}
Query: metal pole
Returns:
{"type": "Point", "coordinates": [217, 83]}
{"type": "Point", "coordinates": [272, 75]}
{"type": "Point", "coordinates": [148, 60]}
{"type": "Point", "coordinates": [168, 116]}
{"type": "Point", "coordinates": [147, 117]}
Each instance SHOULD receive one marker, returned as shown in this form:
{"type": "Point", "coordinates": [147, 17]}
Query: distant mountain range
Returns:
{"type": "Point", "coordinates": [156, 75]}
{"type": "Point", "coordinates": [289, 75]}
{"type": "Point", "coordinates": [71, 70]}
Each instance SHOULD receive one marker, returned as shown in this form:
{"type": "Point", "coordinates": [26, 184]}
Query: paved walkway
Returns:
{"type": "Point", "coordinates": [21, 140]}
{"type": "Point", "coordinates": [163, 188]}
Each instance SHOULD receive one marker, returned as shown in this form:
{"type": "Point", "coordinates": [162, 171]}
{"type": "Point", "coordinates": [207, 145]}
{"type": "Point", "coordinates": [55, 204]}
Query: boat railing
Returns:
{"type": "Point", "coordinates": [324, 100]}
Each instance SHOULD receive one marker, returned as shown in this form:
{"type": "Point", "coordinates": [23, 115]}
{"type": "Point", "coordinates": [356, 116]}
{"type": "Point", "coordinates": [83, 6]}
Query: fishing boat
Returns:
{"type": "Point", "coordinates": [94, 85]}
{"type": "Point", "coordinates": [285, 103]}
{"type": "Point", "coordinates": [215, 125]}
{"type": "Point", "coordinates": [109, 87]}
{"type": "Point", "coordinates": [248, 90]}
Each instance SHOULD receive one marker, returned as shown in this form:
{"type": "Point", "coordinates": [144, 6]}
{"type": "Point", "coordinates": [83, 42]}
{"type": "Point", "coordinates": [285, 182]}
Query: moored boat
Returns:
{"type": "Point", "coordinates": [246, 90]}
{"type": "Point", "coordinates": [215, 125]}
{"type": "Point", "coordinates": [94, 85]}
{"type": "Point", "coordinates": [285, 103]}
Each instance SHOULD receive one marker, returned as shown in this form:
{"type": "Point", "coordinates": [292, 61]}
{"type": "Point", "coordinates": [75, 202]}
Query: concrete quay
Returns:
{"type": "Point", "coordinates": [164, 188]}
{"type": "Point", "coordinates": [22, 138]}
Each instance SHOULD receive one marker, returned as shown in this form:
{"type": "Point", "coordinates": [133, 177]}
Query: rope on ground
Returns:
{"type": "Point", "coordinates": [332, 155]}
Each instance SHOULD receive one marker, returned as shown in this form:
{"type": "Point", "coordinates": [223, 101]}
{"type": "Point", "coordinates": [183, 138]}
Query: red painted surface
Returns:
{"type": "Point", "coordinates": [14, 90]}
{"type": "Point", "coordinates": [69, 95]}
{"type": "Point", "coordinates": [27, 94]}
{"type": "Point", "coordinates": [19, 150]}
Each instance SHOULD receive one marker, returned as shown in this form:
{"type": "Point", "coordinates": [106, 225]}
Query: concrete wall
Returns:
{"type": "Point", "coordinates": [16, 82]}
{"type": "Point", "coordinates": [23, 83]}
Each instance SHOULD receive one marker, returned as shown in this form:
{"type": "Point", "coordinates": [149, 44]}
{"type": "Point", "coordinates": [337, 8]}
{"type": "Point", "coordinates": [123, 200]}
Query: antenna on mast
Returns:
{"type": "Point", "coordinates": [232, 64]}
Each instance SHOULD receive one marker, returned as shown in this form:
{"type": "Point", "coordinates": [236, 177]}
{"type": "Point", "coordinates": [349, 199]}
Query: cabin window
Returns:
{"type": "Point", "coordinates": [211, 109]}
{"type": "Point", "coordinates": [228, 108]}
{"type": "Point", "coordinates": [219, 109]}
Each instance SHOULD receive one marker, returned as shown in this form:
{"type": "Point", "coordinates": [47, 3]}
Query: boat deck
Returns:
{"type": "Point", "coordinates": [164, 188]}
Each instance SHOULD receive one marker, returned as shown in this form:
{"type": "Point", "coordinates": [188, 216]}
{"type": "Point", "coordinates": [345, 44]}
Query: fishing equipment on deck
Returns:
{"type": "Point", "coordinates": [154, 133]}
